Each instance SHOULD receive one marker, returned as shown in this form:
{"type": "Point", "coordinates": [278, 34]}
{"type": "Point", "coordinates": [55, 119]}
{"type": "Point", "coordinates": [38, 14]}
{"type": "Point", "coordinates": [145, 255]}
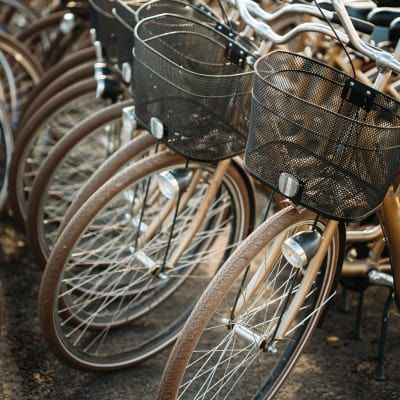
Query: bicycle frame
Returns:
{"type": "Point", "coordinates": [389, 213]}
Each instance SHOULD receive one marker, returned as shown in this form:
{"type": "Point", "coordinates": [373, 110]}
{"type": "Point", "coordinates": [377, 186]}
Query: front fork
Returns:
{"type": "Point", "coordinates": [309, 276]}
{"type": "Point", "coordinates": [389, 213]}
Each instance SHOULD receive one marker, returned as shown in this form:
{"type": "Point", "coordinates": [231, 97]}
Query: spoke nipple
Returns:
{"type": "Point", "coordinates": [163, 276]}
{"type": "Point", "coordinates": [155, 271]}
{"type": "Point", "coordinates": [272, 348]}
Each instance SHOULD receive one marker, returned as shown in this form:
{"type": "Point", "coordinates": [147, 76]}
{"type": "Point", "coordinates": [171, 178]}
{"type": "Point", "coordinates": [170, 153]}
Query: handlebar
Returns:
{"type": "Point", "coordinates": [249, 11]}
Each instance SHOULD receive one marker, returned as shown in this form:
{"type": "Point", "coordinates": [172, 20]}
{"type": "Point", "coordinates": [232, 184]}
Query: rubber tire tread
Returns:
{"type": "Point", "coordinates": [51, 163]}
{"type": "Point", "coordinates": [72, 232]}
{"type": "Point", "coordinates": [26, 135]}
{"type": "Point", "coordinates": [214, 293]}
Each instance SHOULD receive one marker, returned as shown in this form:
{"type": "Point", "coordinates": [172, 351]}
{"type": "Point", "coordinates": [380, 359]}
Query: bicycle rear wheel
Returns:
{"type": "Point", "coordinates": [227, 348]}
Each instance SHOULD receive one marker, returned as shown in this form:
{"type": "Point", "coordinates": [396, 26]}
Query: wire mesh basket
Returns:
{"type": "Point", "coordinates": [103, 21]}
{"type": "Point", "coordinates": [195, 81]}
{"type": "Point", "coordinates": [127, 13]}
{"type": "Point", "coordinates": [331, 138]}
{"type": "Point", "coordinates": [184, 8]}
{"type": "Point", "coordinates": [125, 21]}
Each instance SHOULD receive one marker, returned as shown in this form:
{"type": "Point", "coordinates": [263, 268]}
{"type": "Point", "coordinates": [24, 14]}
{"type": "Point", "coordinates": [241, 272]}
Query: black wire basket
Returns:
{"type": "Point", "coordinates": [125, 18]}
{"type": "Point", "coordinates": [333, 140]}
{"type": "Point", "coordinates": [195, 81]}
{"type": "Point", "coordinates": [127, 13]}
{"type": "Point", "coordinates": [103, 21]}
{"type": "Point", "coordinates": [184, 8]}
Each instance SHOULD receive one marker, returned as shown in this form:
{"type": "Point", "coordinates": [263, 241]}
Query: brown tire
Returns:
{"type": "Point", "coordinates": [71, 236]}
{"type": "Point", "coordinates": [66, 80]}
{"type": "Point", "coordinates": [56, 72]}
{"type": "Point", "coordinates": [45, 28]}
{"type": "Point", "coordinates": [22, 149]}
{"type": "Point", "coordinates": [9, 9]}
{"type": "Point", "coordinates": [232, 278]}
{"type": "Point", "coordinates": [68, 44]}
{"type": "Point", "coordinates": [20, 73]}
{"type": "Point", "coordinates": [106, 171]}
{"type": "Point", "coordinates": [35, 68]}
{"type": "Point", "coordinates": [72, 140]}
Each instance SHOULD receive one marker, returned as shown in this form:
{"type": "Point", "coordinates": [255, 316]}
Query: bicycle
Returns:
{"type": "Point", "coordinates": [109, 201]}
{"type": "Point", "coordinates": [42, 225]}
{"type": "Point", "coordinates": [253, 320]}
{"type": "Point", "coordinates": [212, 213]}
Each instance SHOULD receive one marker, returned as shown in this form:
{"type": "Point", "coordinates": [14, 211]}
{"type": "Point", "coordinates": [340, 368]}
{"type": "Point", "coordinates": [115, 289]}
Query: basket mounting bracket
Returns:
{"type": "Point", "coordinates": [358, 94]}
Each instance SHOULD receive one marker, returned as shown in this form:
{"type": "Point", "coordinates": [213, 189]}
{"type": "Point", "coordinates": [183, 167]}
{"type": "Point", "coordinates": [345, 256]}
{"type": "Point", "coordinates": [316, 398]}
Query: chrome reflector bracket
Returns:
{"type": "Point", "coordinates": [92, 33]}
{"type": "Point", "coordinates": [156, 128]}
{"type": "Point", "coordinates": [288, 185]}
{"type": "Point", "coordinates": [126, 72]}
{"type": "Point", "coordinates": [129, 123]}
{"type": "Point", "coordinates": [68, 23]}
{"type": "Point", "coordinates": [99, 51]}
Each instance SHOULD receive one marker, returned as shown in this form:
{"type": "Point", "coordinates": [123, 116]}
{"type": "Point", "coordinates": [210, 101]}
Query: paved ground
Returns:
{"type": "Point", "coordinates": [328, 370]}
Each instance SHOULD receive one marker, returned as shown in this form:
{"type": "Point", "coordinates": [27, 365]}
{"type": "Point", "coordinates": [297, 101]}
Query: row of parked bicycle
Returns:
{"type": "Point", "coordinates": [203, 174]}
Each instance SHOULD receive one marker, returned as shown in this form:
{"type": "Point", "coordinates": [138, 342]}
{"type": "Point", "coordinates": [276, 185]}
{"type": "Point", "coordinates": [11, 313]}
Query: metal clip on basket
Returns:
{"type": "Point", "coordinates": [193, 81]}
{"type": "Point", "coordinates": [125, 20]}
{"type": "Point", "coordinates": [318, 131]}
{"type": "Point", "coordinates": [103, 21]}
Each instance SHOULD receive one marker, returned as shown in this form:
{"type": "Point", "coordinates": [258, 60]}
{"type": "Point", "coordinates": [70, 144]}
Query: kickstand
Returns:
{"type": "Point", "coordinates": [345, 300]}
{"type": "Point", "coordinates": [357, 334]}
{"type": "Point", "coordinates": [379, 372]}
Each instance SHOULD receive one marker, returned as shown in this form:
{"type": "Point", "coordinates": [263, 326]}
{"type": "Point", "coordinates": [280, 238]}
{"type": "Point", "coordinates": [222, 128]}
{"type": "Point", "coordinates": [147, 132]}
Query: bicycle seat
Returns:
{"type": "Point", "coordinates": [383, 16]}
{"type": "Point", "coordinates": [394, 30]}
{"type": "Point", "coordinates": [356, 9]}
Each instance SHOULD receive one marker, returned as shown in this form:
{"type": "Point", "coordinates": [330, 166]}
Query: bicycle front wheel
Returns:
{"type": "Point", "coordinates": [106, 300]}
{"type": "Point", "coordinates": [228, 348]}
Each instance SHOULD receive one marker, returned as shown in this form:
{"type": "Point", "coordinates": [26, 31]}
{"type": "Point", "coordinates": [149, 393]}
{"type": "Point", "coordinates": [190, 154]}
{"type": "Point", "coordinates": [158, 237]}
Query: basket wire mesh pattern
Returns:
{"type": "Point", "coordinates": [104, 22]}
{"type": "Point", "coordinates": [125, 21]}
{"type": "Point", "coordinates": [303, 124]}
{"type": "Point", "coordinates": [127, 13]}
{"type": "Point", "coordinates": [184, 76]}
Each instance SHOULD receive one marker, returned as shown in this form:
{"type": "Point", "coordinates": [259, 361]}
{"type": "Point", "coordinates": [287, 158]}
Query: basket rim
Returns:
{"type": "Point", "coordinates": [225, 96]}
{"type": "Point", "coordinates": [263, 181]}
{"type": "Point", "coordinates": [182, 2]}
{"type": "Point", "coordinates": [379, 93]}
{"type": "Point", "coordinates": [192, 156]}
{"type": "Point", "coordinates": [145, 20]}
{"type": "Point", "coordinates": [100, 10]}
{"type": "Point", "coordinates": [121, 20]}
{"type": "Point", "coordinates": [125, 3]}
